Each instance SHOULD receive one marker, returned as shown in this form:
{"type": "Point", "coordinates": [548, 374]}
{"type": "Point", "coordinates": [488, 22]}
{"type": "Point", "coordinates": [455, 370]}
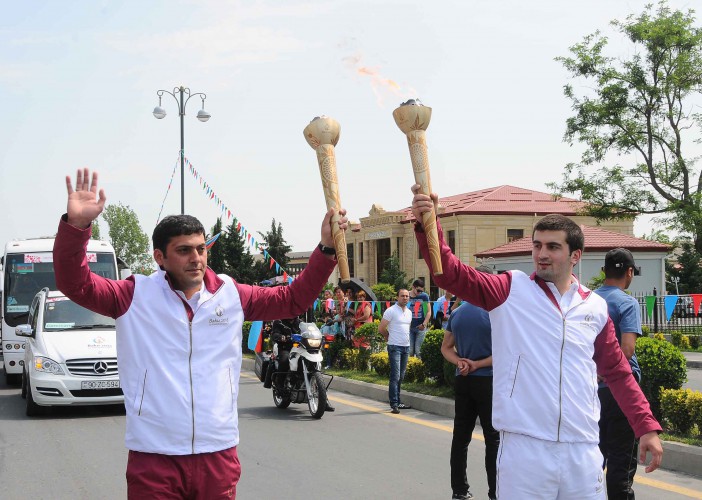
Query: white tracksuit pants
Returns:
{"type": "Point", "coordinates": [534, 469]}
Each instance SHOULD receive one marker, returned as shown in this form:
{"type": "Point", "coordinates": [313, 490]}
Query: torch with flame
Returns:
{"type": "Point", "coordinates": [413, 119]}
{"type": "Point", "coordinates": [322, 134]}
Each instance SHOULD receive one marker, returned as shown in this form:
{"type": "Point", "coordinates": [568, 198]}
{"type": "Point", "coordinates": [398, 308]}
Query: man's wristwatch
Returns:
{"type": "Point", "coordinates": [327, 250]}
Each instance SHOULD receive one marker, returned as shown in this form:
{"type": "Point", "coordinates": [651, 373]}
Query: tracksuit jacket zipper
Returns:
{"type": "Point", "coordinates": [560, 382]}
{"type": "Point", "coordinates": [190, 359]}
{"type": "Point", "coordinates": [190, 370]}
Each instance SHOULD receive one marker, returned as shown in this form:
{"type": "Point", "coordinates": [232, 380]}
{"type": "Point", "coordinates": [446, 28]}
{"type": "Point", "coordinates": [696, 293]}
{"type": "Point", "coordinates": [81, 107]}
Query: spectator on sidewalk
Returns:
{"type": "Point", "coordinates": [618, 443]}
{"type": "Point", "coordinates": [443, 310]}
{"type": "Point", "coordinates": [420, 319]}
{"type": "Point", "coordinates": [395, 328]}
{"type": "Point", "coordinates": [468, 345]}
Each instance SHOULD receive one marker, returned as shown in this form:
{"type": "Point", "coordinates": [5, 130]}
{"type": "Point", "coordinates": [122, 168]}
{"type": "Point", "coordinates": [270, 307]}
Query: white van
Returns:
{"type": "Point", "coordinates": [70, 355]}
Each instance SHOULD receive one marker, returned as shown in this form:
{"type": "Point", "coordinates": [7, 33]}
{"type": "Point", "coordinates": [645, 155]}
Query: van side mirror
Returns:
{"type": "Point", "coordinates": [24, 331]}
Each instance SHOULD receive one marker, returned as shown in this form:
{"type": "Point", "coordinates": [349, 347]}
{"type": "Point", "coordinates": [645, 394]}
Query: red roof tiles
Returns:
{"type": "Point", "coordinates": [505, 200]}
{"type": "Point", "coordinates": [596, 240]}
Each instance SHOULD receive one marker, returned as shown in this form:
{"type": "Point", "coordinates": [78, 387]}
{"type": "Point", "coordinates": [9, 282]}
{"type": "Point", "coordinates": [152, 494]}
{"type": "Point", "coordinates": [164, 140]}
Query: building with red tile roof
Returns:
{"type": "Point", "coordinates": [473, 222]}
{"type": "Point", "coordinates": [649, 255]}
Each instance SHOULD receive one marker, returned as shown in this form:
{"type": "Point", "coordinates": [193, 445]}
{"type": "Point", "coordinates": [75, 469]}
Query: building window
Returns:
{"type": "Point", "coordinates": [419, 253]}
{"type": "Point", "coordinates": [360, 252]}
{"type": "Point", "coordinates": [349, 255]}
{"type": "Point", "coordinates": [452, 241]}
{"type": "Point", "coordinates": [514, 234]}
{"type": "Point", "coordinates": [382, 253]}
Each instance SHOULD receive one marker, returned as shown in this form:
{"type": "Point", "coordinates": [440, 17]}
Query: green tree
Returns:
{"type": "Point", "coordinates": [130, 242]}
{"type": "Point", "coordinates": [659, 236]}
{"type": "Point", "coordinates": [687, 270]}
{"type": "Point", "coordinates": [277, 247]}
{"type": "Point", "coordinates": [596, 281]}
{"type": "Point", "coordinates": [275, 244]}
{"type": "Point", "coordinates": [239, 263]}
{"type": "Point", "coordinates": [384, 291]}
{"type": "Point", "coordinates": [216, 254]}
{"type": "Point", "coordinates": [95, 231]}
{"type": "Point", "coordinates": [392, 272]}
{"type": "Point", "coordinates": [639, 107]}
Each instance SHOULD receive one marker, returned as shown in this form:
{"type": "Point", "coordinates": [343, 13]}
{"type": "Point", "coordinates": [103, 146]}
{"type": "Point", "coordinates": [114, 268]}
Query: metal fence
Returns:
{"type": "Point", "coordinates": [683, 319]}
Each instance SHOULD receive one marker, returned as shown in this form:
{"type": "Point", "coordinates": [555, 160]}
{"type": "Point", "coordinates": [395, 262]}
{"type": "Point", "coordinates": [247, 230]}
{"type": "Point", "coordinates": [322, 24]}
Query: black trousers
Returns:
{"type": "Point", "coordinates": [619, 447]}
{"type": "Point", "coordinates": [473, 399]}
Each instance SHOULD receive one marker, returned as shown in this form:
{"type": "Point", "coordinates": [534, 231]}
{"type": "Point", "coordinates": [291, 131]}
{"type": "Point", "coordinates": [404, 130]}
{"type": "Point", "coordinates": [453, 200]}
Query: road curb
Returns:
{"type": "Point", "coordinates": [677, 457]}
{"type": "Point", "coordinates": [695, 365]}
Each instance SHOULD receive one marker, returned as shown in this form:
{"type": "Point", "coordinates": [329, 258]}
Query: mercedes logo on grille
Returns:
{"type": "Point", "coordinates": [100, 367]}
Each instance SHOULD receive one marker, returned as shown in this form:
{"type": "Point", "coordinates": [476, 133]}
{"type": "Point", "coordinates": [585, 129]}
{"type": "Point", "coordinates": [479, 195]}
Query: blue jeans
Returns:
{"type": "Point", "coordinates": [416, 341]}
{"type": "Point", "coordinates": [398, 356]}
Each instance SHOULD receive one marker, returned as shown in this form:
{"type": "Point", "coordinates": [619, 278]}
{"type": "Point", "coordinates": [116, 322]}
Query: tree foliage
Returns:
{"type": "Point", "coordinates": [277, 247]}
{"type": "Point", "coordinates": [215, 254]}
{"type": "Point", "coordinates": [639, 108]}
{"type": "Point", "coordinates": [384, 291]}
{"type": "Point", "coordinates": [230, 254]}
{"type": "Point", "coordinates": [95, 231]}
{"type": "Point", "coordinates": [687, 270]}
{"type": "Point", "coordinates": [393, 274]}
{"type": "Point", "coordinates": [130, 242]}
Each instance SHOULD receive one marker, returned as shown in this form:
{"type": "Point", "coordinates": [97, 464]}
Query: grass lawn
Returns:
{"type": "Point", "coordinates": [428, 387]}
{"type": "Point", "coordinates": [694, 441]}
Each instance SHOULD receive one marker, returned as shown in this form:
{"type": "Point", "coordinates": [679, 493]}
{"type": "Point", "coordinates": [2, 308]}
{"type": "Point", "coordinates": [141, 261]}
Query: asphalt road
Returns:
{"type": "Point", "coordinates": [359, 452]}
{"type": "Point", "coordinates": [694, 380]}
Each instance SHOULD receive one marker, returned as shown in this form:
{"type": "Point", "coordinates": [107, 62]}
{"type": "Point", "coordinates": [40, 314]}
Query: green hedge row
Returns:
{"type": "Point", "coordinates": [682, 409]}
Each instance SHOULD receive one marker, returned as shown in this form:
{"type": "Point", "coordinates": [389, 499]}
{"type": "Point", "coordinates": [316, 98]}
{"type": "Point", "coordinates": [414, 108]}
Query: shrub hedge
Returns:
{"type": "Point", "coordinates": [676, 337]}
{"type": "Point", "coordinates": [431, 353]}
{"type": "Point", "coordinates": [416, 370]}
{"type": "Point", "coordinates": [380, 363]}
{"type": "Point", "coordinates": [368, 333]}
{"type": "Point", "coordinates": [662, 366]}
{"type": "Point", "coordinates": [682, 409]}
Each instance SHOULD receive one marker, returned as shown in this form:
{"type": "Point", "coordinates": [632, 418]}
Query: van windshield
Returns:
{"type": "Point", "coordinates": [61, 313]}
{"type": "Point", "coordinates": [27, 273]}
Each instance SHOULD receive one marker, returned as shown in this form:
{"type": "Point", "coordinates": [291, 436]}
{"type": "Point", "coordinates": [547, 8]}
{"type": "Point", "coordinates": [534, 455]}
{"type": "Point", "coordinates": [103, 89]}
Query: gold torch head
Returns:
{"type": "Point", "coordinates": [322, 130]}
{"type": "Point", "coordinates": [412, 115]}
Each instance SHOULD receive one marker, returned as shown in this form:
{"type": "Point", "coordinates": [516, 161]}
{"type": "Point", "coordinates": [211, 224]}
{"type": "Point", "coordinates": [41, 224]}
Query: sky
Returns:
{"type": "Point", "coordinates": [78, 84]}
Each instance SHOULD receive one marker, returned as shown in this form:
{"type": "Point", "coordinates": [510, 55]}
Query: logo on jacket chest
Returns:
{"type": "Point", "coordinates": [219, 319]}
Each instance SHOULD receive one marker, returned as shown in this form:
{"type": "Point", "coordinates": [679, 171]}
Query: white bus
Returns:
{"type": "Point", "coordinates": [28, 266]}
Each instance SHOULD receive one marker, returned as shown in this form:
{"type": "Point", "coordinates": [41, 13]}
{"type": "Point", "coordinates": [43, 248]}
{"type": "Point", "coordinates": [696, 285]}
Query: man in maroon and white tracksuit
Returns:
{"type": "Point", "coordinates": [551, 337]}
{"type": "Point", "coordinates": [179, 336]}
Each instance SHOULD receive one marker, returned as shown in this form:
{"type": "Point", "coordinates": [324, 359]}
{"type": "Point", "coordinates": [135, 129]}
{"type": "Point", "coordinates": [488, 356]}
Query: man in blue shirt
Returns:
{"type": "Point", "coordinates": [617, 441]}
{"type": "Point", "coordinates": [420, 320]}
{"type": "Point", "coordinates": [468, 345]}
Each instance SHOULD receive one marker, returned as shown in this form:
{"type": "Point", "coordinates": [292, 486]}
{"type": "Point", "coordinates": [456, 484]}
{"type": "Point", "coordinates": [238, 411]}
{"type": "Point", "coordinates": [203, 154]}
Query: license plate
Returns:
{"type": "Point", "coordinates": [99, 384]}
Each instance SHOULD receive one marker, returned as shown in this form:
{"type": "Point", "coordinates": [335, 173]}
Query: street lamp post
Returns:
{"type": "Point", "coordinates": [202, 115]}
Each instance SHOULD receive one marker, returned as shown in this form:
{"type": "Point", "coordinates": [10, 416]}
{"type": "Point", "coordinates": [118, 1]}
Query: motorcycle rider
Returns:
{"type": "Point", "coordinates": [281, 334]}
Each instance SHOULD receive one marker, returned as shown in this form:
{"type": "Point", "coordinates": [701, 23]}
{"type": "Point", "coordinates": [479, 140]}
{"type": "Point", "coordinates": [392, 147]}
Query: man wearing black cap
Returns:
{"type": "Point", "coordinates": [617, 441]}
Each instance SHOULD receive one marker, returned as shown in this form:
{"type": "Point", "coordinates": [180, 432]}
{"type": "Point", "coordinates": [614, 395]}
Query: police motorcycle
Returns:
{"type": "Point", "coordinates": [293, 368]}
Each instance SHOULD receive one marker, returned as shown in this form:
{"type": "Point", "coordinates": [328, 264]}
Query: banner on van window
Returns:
{"type": "Point", "coordinates": [46, 257]}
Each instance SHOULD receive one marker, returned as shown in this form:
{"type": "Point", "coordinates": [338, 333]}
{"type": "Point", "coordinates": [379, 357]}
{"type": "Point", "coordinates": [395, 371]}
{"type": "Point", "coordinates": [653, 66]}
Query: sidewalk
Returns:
{"type": "Point", "coordinates": [676, 456]}
{"type": "Point", "coordinates": [694, 360]}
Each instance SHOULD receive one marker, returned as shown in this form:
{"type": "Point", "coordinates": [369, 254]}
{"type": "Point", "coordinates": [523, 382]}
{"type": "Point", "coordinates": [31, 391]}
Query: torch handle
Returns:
{"type": "Point", "coordinates": [327, 171]}
{"type": "Point", "coordinates": [416, 140]}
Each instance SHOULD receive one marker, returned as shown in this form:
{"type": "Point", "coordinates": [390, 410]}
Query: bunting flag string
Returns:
{"type": "Point", "coordinates": [168, 189]}
{"type": "Point", "coordinates": [209, 243]}
{"type": "Point", "coordinates": [669, 304]}
{"type": "Point", "coordinates": [377, 307]}
{"type": "Point", "coordinates": [225, 210]}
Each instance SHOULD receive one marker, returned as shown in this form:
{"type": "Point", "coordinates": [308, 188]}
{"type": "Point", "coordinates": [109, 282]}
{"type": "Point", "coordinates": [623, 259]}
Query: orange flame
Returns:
{"type": "Point", "coordinates": [379, 83]}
